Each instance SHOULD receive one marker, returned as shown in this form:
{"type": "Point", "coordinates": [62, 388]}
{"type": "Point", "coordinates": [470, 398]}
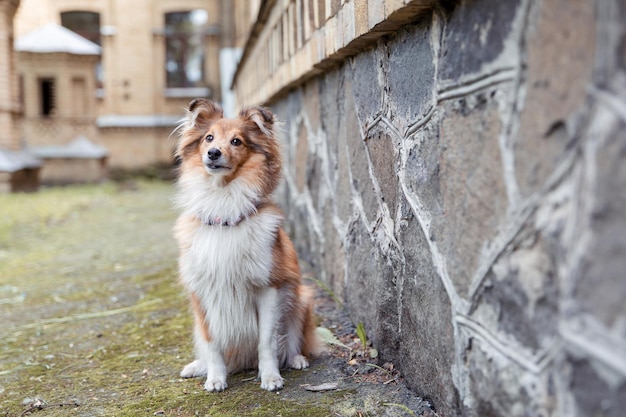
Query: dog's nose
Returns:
{"type": "Point", "coordinates": [214, 154]}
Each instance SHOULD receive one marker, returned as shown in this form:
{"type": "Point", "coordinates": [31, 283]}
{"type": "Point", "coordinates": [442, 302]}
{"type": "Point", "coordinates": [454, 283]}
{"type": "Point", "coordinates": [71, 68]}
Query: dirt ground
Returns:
{"type": "Point", "coordinates": [95, 324]}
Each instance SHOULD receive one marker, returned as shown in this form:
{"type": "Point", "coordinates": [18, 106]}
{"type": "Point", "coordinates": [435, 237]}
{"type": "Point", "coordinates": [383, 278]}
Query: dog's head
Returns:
{"type": "Point", "coordinates": [244, 147]}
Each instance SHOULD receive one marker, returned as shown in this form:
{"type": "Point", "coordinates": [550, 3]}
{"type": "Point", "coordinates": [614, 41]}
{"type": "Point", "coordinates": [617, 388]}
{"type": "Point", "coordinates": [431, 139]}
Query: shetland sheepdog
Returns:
{"type": "Point", "coordinates": [236, 262]}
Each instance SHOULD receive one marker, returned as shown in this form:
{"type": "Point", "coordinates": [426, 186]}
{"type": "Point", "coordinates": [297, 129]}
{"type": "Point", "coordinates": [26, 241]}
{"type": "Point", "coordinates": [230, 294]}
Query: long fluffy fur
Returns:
{"type": "Point", "coordinates": [237, 263]}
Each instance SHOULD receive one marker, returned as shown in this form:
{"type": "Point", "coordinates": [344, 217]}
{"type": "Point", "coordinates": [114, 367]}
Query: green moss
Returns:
{"type": "Point", "coordinates": [92, 312]}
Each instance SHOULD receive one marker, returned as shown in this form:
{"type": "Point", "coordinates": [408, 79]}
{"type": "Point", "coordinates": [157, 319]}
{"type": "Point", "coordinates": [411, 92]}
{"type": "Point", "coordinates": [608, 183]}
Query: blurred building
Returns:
{"type": "Point", "coordinates": [57, 82]}
{"type": "Point", "coordinates": [19, 170]}
{"type": "Point", "coordinates": [156, 55]}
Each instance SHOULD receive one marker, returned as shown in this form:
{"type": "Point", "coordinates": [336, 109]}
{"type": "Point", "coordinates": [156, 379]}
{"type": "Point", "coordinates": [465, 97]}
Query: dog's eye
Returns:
{"type": "Point", "coordinates": [236, 142]}
{"type": "Point", "coordinates": [209, 138]}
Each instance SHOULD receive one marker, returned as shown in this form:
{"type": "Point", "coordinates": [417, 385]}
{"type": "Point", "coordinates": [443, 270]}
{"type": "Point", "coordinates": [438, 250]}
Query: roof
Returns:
{"type": "Point", "coordinates": [151, 120]}
{"type": "Point", "coordinates": [81, 147]}
{"type": "Point", "coordinates": [54, 38]}
{"type": "Point", "coordinates": [12, 161]}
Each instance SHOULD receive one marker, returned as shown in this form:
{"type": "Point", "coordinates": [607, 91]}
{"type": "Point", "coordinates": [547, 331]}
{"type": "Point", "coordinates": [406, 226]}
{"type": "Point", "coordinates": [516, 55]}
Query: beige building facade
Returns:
{"type": "Point", "coordinates": [57, 81]}
{"type": "Point", "coordinates": [9, 105]}
{"type": "Point", "coordinates": [19, 171]}
{"type": "Point", "coordinates": [157, 55]}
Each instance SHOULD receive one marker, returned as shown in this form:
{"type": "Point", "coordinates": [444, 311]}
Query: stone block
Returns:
{"type": "Point", "coordinates": [600, 288]}
{"type": "Point", "coordinates": [311, 105]}
{"type": "Point", "coordinates": [475, 36]}
{"type": "Point", "coordinates": [561, 45]}
{"type": "Point", "coordinates": [361, 179]}
{"type": "Point", "coordinates": [300, 158]}
{"type": "Point", "coordinates": [315, 178]}
{"type": "Point", "coordinates": [368, 276]}
{"type": "Point", "coordinates": [305, 239]}
{"type": "Point", "coordinates": [521, 298]}
{"type": "Point", "coordinates": [411, 74]}
{"type": "Point", "coordinates": [333, 258]}
{"type": "Point", "coordinates": [471, 184]}
{"type": "Point", "coordinates": [421, 340]}
{"type": "Point", "coordinates": [611, 41]}
{"type": "Point", "coordinates": [497, 388]}
{"type": "Point", "coordinates": [366, 83]}
{"type": "Point", "coordinates": [339, 147]}
{"type": "Point", "coordinates": [375, 12]}
{"type": "Point", "coordinates": [594, 394]}
{"type": "Point", "coordinates": [381, 144]}
{"type": "Point", "coordinates": [360, 17]}
{"type": "Point", "coordinates": [422, 166]}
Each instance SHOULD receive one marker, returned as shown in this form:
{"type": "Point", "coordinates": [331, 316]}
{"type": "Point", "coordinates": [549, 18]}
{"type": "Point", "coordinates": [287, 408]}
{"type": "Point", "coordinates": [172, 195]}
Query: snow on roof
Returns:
{"type": "Point", "coordinates": [151, 120]}
{"type": "Point", "coordinates": [12, 161]}
{"type": "Point", "coordinates": [54, 38]}
{"type": "Point", "coordinates": [81, 147]}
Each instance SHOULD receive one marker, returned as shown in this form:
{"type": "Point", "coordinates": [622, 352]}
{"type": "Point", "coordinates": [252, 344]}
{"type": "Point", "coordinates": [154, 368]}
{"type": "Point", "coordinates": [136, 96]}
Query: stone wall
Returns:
{"type": "Point", "coordinates": [461, 185]}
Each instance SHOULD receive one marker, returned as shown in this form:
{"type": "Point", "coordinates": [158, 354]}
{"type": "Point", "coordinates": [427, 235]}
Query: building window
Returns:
{"type": "Point", "coordinates": [80, 98]}
{"type": "Point", "coordinates": [185, 48]}
{"type": "Point", "coordinates": [87, 25]}
{"type": "Point", "coordinates": [47, 96]}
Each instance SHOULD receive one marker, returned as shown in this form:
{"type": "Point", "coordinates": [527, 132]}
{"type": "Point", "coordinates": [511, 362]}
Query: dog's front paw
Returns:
{"type": "Point", "coordinates": [215, 385]}
{"type": "Point", "coordinates": [194, 369]}
{"type": "Point", "coordinates": [272, 381]}
{"type": "Point", "coordinates": [299, 362]}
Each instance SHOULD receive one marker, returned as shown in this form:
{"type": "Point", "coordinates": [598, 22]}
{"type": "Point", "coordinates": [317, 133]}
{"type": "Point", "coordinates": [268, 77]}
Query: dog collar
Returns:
{"type": "Point", "coordinates": [217, 221]}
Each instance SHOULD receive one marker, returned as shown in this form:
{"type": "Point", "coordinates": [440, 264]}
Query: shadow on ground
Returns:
{"type": "Point", "coordinates": [94, 323]}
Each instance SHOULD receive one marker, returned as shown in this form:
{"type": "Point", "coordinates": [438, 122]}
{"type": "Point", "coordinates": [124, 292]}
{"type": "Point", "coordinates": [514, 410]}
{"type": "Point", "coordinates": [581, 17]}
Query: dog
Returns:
{"type": "Point", "coordinates": [236, 262]}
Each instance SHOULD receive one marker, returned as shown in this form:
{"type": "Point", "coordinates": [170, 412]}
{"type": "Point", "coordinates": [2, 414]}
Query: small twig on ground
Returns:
{"type": "Point", "coordinates": [85, 316]}
{"type": "Point", "coordinates": [401, 406]}
{"type": "Point", "coordinates": [40, 404]}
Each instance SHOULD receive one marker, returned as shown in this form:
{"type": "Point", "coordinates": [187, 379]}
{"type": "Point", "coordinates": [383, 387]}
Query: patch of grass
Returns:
{"type": "Point", "coordinates": [35, 212]}
{"type": "Point", "coordinates": [93, 314]}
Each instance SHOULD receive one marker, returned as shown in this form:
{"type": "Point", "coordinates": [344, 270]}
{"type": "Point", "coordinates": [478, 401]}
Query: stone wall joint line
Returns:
{"type": "Point", "coordinates": [590, 345]}
{"type": "Point", "coordinates": [535, 364]}
{"type": "Point", "coordinates": [499, 76]}
{"type": "Point", "coordinates": [613, 102]}
{"type": "Point", "coordinates": [527, 209]}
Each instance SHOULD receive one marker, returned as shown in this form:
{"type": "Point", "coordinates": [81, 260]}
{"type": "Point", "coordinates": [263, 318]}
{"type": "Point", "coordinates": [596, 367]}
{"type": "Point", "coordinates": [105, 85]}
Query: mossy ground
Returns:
{"type": "Point", "coordinates": [95, 324]}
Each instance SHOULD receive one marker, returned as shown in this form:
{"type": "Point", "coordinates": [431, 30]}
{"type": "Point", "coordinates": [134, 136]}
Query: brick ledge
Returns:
{"type": "Point", "coordinates": [273, 63]}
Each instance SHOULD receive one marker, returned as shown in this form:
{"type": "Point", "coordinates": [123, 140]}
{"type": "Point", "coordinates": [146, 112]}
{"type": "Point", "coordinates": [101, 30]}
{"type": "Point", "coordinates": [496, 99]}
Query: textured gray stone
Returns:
{"type": "Point", "coordinates": [361, 179]}
{"type": "Point", "coordinates": [523, 293]}
{"type": "Point", "coordinates": [411, 74]}
{"type": "Point", "coordinates": [380, 147]}
{"type": "Point", "coordinates": [561, 49]}
{"type": "Point", "coordinates": [299, 164]}
{"type": "Point", "coordinates": [333, 259]}
{"type": "Point", "coordinates": [495, 384]}
{"type": "Point", "coordinates": [424, 337]}
{"type": "Point", "coordinates": [600, 289]}
{"type": "Point", "coordinates": [473, 193]}
{"type": "Point", "coordinates": [349, 136]}
{"type": "Point", "coordinates": [367, 89]}
{"type": "Point", "coordinates": [495, 291]}
{"type": "Point", "coordinates": [475, 36]}
{"type": "Point", "coordinates": [594, 395]}
{"type": "Point", "coordinates": [368, 277]}
{"type": "Point", "coordinates": [423, 165]}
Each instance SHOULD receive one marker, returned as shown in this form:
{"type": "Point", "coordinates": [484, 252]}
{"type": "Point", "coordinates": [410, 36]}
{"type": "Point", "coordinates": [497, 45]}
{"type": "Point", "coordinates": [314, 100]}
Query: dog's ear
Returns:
{"type": "Point", "coordinates": [202, 111]}
{"type": "Point", "coordinates": [262, 117]}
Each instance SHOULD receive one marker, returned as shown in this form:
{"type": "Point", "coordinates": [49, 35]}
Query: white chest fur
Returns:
{"type": "Point", "coordinates": [224, 267]}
